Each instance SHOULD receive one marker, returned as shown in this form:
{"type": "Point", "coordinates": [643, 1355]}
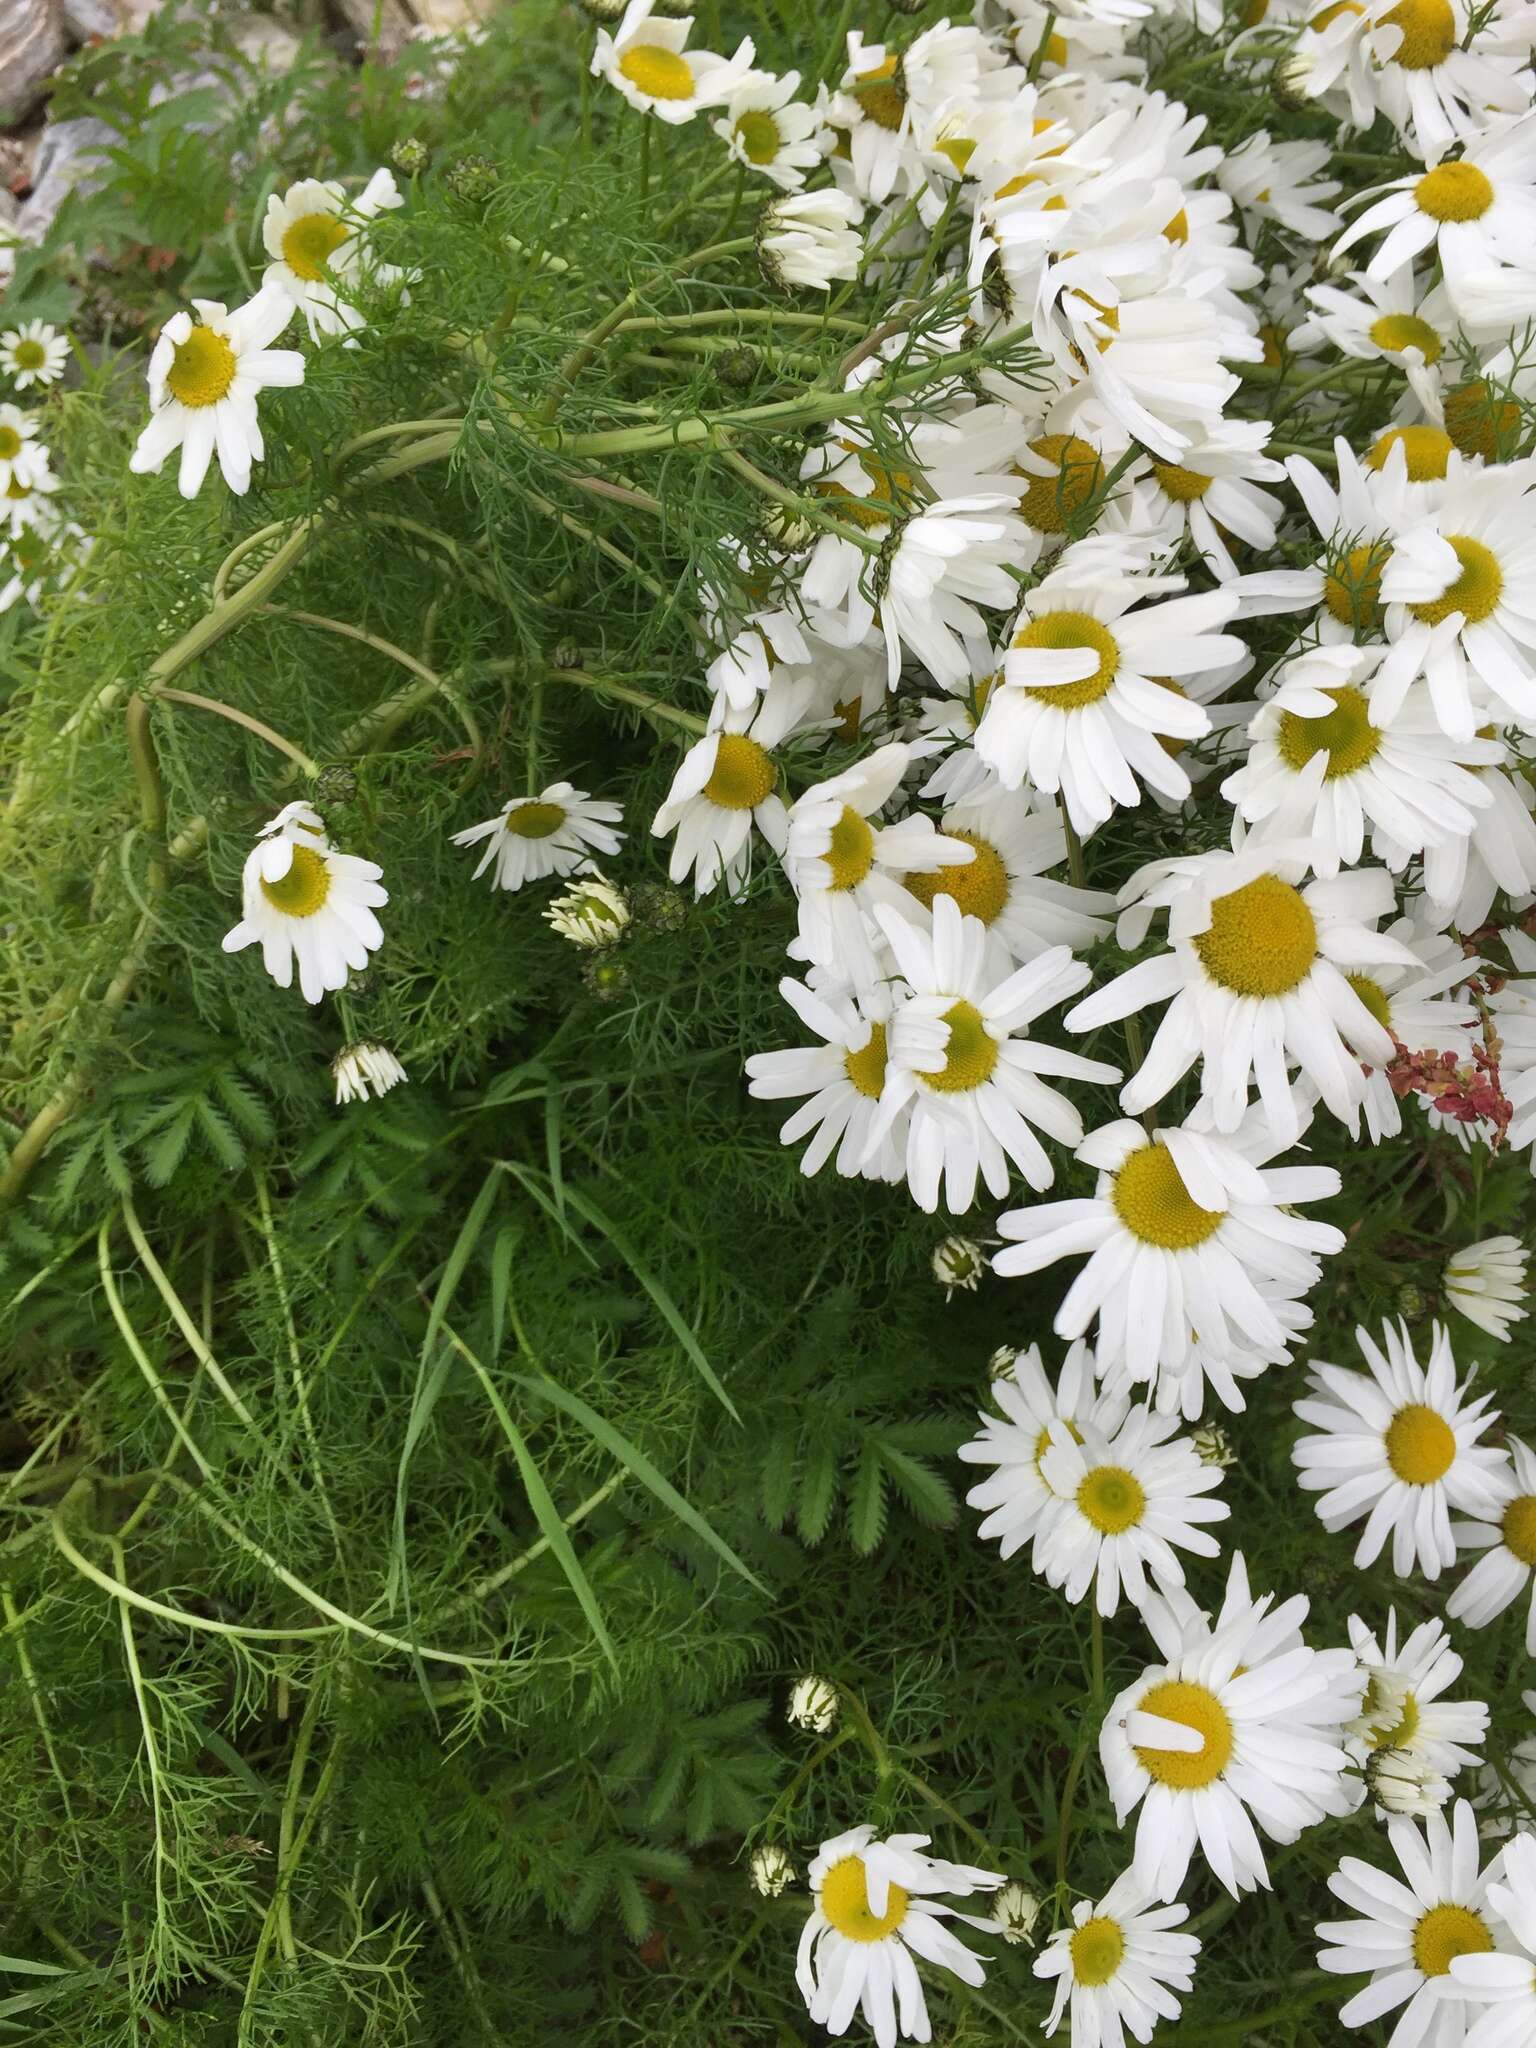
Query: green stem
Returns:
{"type": "Point", "coordinates": [867, 1732]}
{"type": "Point", "coordinates": [165, 695]}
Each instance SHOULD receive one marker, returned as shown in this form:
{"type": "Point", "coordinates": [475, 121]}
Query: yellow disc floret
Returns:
{"type": "Point", "coordinates": [1421, 1445]}
{"type": "Point", "coordinates": [743, 775]}
{"type": "Point", "coordinates": [1481, 425]}
{"type": "Point", "coordinates": [1151, 1200]}
{"type": "Point", "coordinates": [534, 821]}
{"type": "Point", "coordinates": [1050, 502]}
{"type": "Point", "coordinates": [1112, 1499]}
{"type": "Point", "coordinates": [10, 444]}
{"type": "Point", "coordinates": [1262, 939]}
{"type": "Point", "coordinates": [970, 1055]}
{"type": "Point", "coordinates": [881, 95]}
{"type": "Point", "coordinates": [1352, 585]}
{"type": "Point", "coordinates": [866, 1067]}
{"type": "Point", "coordinates": [202, 369]}
{"type": "Point", "coordinates": [1346, 735]}
{"type": "Point", "coordinates": [1446, 1932]}
{"type": "Point", "coordinates": [1197, 1707]}
{"type": "Point", "coordinates": [1458, 191]}
{"type": "Point", "coordinates": [1519, 1528]}
{"type": "Point", "coordinates": [659, 73]}
{"type": "Point", "coordinates": [1098, 1949]}
{"type": "Point", "coordinates": [1397, 332]}
{"type": "Point", "coordinates": [1428, 33]}
{"type": "Point", "coordinates": [1476, 591]}
{"type": "Point", "coordinates": [851, 853]}
{"type": "Point", "coordinates": [845, 1901]}
{"type": "Point", "coordinates": [302, 891]}
{"type": "Point", "coordinates": [1184, 486]}
{"type": "Point", "coordinates": [1374, 997]}
{"type": "Point", "coordinates": [310, 242]}
{"type": "Point", "coordinates": [758, 133]}
{"type": "Point", "coordinates": [980, 887]}
{"type": "Point", "coordinates": [1066, 630]}
{"type": "Point", "coordinates": [1427, 450]}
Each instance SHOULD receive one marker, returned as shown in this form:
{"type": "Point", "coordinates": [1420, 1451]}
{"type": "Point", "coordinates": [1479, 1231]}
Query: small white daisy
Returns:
{"type": "Point", "coordinates": [726, 783]}
{"type": "Point", "coordinates": [23, 458]}
{"type": "Point", "coordinates": [814, 1704]}
{"type": "Point", "coordinates": [646, 60]}
{"type": "Point", "coordinates": [945, 561]}
{"type": "Point", "coordinates": [870, 108]}
{"type": "Point", "coordinates": [316, 242]}
{"type": "Point", "coordinates": [1423, 1009]}
{"type": "Point", "coordinates": [204, 380]}
{"type": "Point", "coordinates": [1404, 1709]}
{"type": "Point", "coordinates": [1399, 1445]}
{"type": "Point", "coordinates": [1487, 1283]}
{"type": "Point", "coordinates": [875, 1909]}
{"type": "Point", "coordinates": [1215, 489]}
{"type": "Point", "coordinates": [810, 240]}
{"type": "Point", "coordinates": [33, 353]}
{"type": "Point", "coordinates": [532, 837]}
{"type": "Point", "coordinates": [842, 1079]}
{"type": "Point", "coordinates": [1278, 181]}
{"type": "Point", "coordinates": [772, 133]}
{"type": "Point", "coordinates": [365, 1071]}
{"type": "Point", "coordinates": [593, 915]}
{"type": "Point", "coordinates": [1118, 1966]}
{"type": "Point", "coordinates": [1506, 1534]}
{"type": "Point", "coordinates": [305, 903]}
{"type": "Point", "coordinates": [1018, 1495]}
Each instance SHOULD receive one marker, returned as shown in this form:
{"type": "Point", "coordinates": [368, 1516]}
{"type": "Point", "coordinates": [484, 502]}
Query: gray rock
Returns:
{"type": "Point", "coordinates": [31, 50]}
{"type": "Point", "coordinates": [68, 156]}
{"type": "Point", "coordinates": [87, 18]}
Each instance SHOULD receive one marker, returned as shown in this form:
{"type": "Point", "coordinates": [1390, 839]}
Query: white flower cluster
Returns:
{"type": "Point", "coordinates": [39, 547]}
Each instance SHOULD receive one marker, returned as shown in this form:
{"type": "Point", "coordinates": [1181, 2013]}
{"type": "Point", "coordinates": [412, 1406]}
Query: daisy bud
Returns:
{"type": "Point", "coordinates": [409, 156]}
{"type": "Point", "coordinates": [809, 239]}
{"type": "Point", "coordinates": [335, 785]}
{"type": "Point", "coordinates": [594, 914]}
{"type": "Point", "coordinates": [1000, 1365]}
{"type": "Point", "coordinates": [605, 10]}
{"type": "Point", "coordinates": [1288, 82]}
{"type": "Point", "coordinates": [771, 1871]}
{"type": "Point", "coordinates": [1411, 1304]}
{"type": "Point", "coordinates": [1213, 1446]}
{"type": "Point", "coordinates": [659, 907]}
{"type": "Point", "coordinates": [1487, 1283]}
{"type": "Point", "coordinates": [958, 1263]}
{"type": "Point", "coordinates": [1015, 1913]}
{"type": "Point", "coordinates": [607, 979]}
{"type": "Point", "coordinates": [363, 1069]}
{"type": "Point", "coordinates": [1401, 1782]}
{"type": "Point", "coordinates": [813, 1704]}
{"type": "Point", "coordinates": [473, 179]}
{"type": "Point", "coordinates": [738, 367]}
{"type": "Point", "coordinates": [782, 527]}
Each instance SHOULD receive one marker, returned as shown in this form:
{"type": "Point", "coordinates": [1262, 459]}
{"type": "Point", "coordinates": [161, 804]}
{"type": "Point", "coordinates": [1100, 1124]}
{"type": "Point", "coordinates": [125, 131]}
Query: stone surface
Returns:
{"type": "Point", "coordinates": [69, 154]}
{"type": "Point", "coordinates": [31, 50]}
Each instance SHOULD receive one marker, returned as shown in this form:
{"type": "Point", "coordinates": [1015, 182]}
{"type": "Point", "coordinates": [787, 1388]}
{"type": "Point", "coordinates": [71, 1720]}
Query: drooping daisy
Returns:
{"type": "Point", "coordinates": [726, 783]}
{"type": "Point", "coordinates": [842, 1081]}
{"type": "Point", "coordinates": [1410, 1933]}
{"type": "Point", "coordinates": [316, 241]}
{"type": "Point", "coordinates": [1400, 1781]}
{"type": "Point", "coordinates": [305, 903]}
{"type": "Point", "coordinates": [646, 60]}
{"type": "Point", "coordinates": [1118, 1966]}
{"type": "Point", "coordinates": [1187, 1238]}
{"type": "Point", "coordinates": [1129, 1502]}
{"type": "Point", "coordinates": [33, 353]}
{"type": "Point", "coordinates": [772, 133]}
{"type": "Point", "coordinates": [1278, 181]}
{"type": "Point", "coordinates": [1502, 1982]}
{"type": "Point", "coordinates": [958, 1265]}
{"type": "Point", "coordinates": [948, 559]}
{"type": "Point", "coordinates": [365, 1071]}
{"type": "Point", "coordinates": [1090, 686]}
{"type": "Point", "coordinates": [204, 379]}
{"type": "Point", "coordinates": [963, 1067]}
{"type": "Point", "coordinates": [1487, 1283]}
{"type": "Point", "coordinates": [1015, 1911]}
{"type": "Point", "coordinates": [1399, 1445]}
{"type": "Point", "coordinates": [1404, 1709]}
{"type": "Point", "coordinates": [22, 456]}
{"type": "Point", "coordinates": [1018, 1495]}
{"type": "Point", "coordinates": [810, 239]}
{"type": "Point", "coordinates": [875, 1909]}
{"type": "Point", "coordinates": [770, 1871]}
{"type": "Point", "coordinates": [1506, 1534]}
{"type": "Point", "coordinates": [556, 832]}
{"type": "Point", "coordinates": [1256, 970]}
{"type": "Point", "coordinates": [1241, 1724]}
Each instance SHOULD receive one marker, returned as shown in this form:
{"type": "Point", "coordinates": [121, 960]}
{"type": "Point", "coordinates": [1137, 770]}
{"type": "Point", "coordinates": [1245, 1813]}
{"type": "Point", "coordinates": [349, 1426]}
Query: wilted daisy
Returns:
{"type": "Point", "coordinates": [594, 914]}
{"type": "Point", "coordinates": [875, 1909]}
{"type": "Point", "coordinates": [957, 1264]}
{"type": "Point", "coordinates": [1400, 1781]}
{"type": "Point", "coordinates": [1018, 1496]}
{"type": "Point", "coordinates": [771, 132]}
{"type": "Point", "coordinates": [1503, 1982]}
{"type": "Point", "coordinates": [204, 379]}
{"type": "Point", "coordinates": [22, 456]}
{"type": "Point", "coordinates": [1015, 1911]}
{"type": "Point", "coordinates": [532, 837]}
{"type": "Point", "coordinates": [1118, 1966]}
{"type": "Point", "coordinates": [1241, 1724]}
{"type": "Point", "coordinates": [1413, 1928]}
{"type": "Point", "coordinates": [315, 238]}
{"type": "Point", "coordinates": [1506, 1534]}
{"type": "Point", "coordinates": [813, 1704]}
{"type": "Point", "coordinates": [33, 353]}
{"type": "Point", "coordinates": [809, 240]}
{"type": "Point", "coordinates": [1487, 1283]}
{"type": "Point", "coordinates": [365, 1071]}
{"type": "Point", "coordinates": [1187, 1238]}
{"type": "Point", "coordinates": [646, 60]}
{"type": "Point", "coordinates": [1399, 1445]}
{"type": "Point", "coordinates": [771, 1871]}
{"type": "Point", "coordinates": [963, 1067]}
{"type": "Point", "coordinates": [842, 1081]}
{"type": "Point", "coordinates": [1404, 1709]}
{"type": "Point", "coordinates": [305, 903]}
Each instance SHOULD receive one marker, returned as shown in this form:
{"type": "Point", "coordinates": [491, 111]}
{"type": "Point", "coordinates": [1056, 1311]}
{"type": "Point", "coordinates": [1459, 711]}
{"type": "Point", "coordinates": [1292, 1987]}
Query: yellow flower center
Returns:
{"type": "Point", "coordinates": [1444, 1933]}
{"type": "Point", "coordinates": [534, 821]}
{"type": "Point", "coordinates": [1262, 939]}
{"type": "Point", "coordinates": [1177, 229]}
{"type": "Point", "coordinates": [1056, 51]}
{"type": "Point", "coordinates": [1273, 338]}
{"type": "Point", "coordinates": [1051, 502]}
{"type": "Point", "coordinates": [202, 369]}
{"type": "Point", "coordinates": [1396, 332]}
{"type": "Point", "coordinates": [29, 355]}
{"type": "Point", "coordinates": [1374, 997]}
{"type": "Point", "coordinates": [304, 888]}
{"type": "Point", "coordinates": [758, 133]}
{"type": "Point", "coordinates": [881, 95]}
{"type": "Point", "coordinates": [1519, 1528]}
{"type": "Point", "coordinates": [1421, 1445]}
{"type": "Point", "coordinates": [743, 775]}
{"type": "Point", "coordinates": [851, 854]}
{"type": "Point", "coordinates": [1182, 485]}
{"type": "Point", "coordinates": [310, 242]}
{"type": "Point", "coordinates": [1346, 735]}
{"type": "Point", "coordinates": [845, 1901]}
{"type": "Point", "coordinates": [659, 73]}
{"type": "Point", "coordinates": [1457, 191]}
{"type": "Point", "coordinates": [1098, 1948]}
{"type": "Point", "coordinates": [1429, 33]}
{"type": "Point", "coordinates": [1197, 1707]}
{"type": "Point", "coordinates": [866, 1067]}
{"type": "Point", "coordinates": [10, 444]}
{"type": "Point", "coordinates": [1331, 14]}
{"type": "Point", "coordinates": [1476, 591]}
{"type": "Point", "coordinates": [1478, 425]}
{"type": "Point", "coordinates": [1352, 586]}
{"type": "Point", "coordinates": [1043, 1440]}
{"type": "Point", "coordinates": [1111, 1498]}
{"type": "Point", "coordinates": [981, 887]}
{"type": "Point", "coordinates": [1401, 1731]}
{"type": "Point", "coordinates": [1153, 1203]}
{"type": "Point", "coordinates": [1057, 630]}
{"type": "Point", "coordinates": [970, 1055]}
{"type": "Point", "coordinates": [959, 149]}
{"type": "Point", "coordinates": [1427, 450]}
{"type": "Point", "coordinates": [890, 490]}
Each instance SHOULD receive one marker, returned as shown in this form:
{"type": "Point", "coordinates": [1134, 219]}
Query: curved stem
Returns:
{"type": "Point", "coordinates": [258, 726]}
{"type": "Point", "coordinates": [348, 631]}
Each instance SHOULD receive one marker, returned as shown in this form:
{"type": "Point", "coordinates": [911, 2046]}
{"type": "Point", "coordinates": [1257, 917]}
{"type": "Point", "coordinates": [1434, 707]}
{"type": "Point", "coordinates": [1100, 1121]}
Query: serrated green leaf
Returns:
{"type": "Point", "coordinates": [776, 1479]}
{"type": "Point", "coordinates": [866, 1509]}
{"type": "Point", "coordinates": [927, 1493]}
{"type": "Point", "coordinates": [818, 1490]}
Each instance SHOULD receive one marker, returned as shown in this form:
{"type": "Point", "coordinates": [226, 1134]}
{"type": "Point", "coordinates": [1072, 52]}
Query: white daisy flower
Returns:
{"type": "Point", "coordinates": [532, 837]}
{"type": "Point", "coordinates": [963, 1066]}
{"type": "Point", "coordinates": [316, 240]}
{"type": "Point", "coordinates": [870, 108]}
{"type": "Point", "coordinates": [1399, 1445]}
{"type": "Point", "coordinates": [1129, 1501]}
{"type": "Point", "coordinates": [594, 914]}
{"type": "Point", "coordinates": [204, 379]}
{"type": "Point", "coordinates": [1241, 1724]}
{"type": "Point", "coordinates": [1398, 1781]}
{"type": "Point", "coordinates": [1118, 1966]}
{"type": "Point", "coordinates": [1188, 1239]}
{"type": "Point", "coordinates": [1409, 1934]}
{"type": "Point", "coordinates": [305, 903]}
{"type": "Point", "coordinates": [947, 559]}
{"type": "Point", "coordinates": [33, 353]}
{"type": "Point", "coordinates": [842, 1080]}
{"type": "Point", "coordinates": [1383, 320]}
{"type": "Point", "coordinates": [1015, 1912]}
{"type": "Point", "coordinates": [810, 239]}
{"type": "Point", "coordinates": [1257, 975]}
{"type": "Point", "coordinates": [23, 458]}
{"type": "Point", "coordinates": [26, 502]}
{"type": "Point", "coordinates": [772, 133]}
{"type": "Point", "coordinates": [1018, 1497]}
{"type": "Point", "coordinates": [1504, 1982]}
{"type": "Point", "coordinates": [1462, 877]}
{"type": "Point", "coordinates": [1421, 1007]}
{"type": "Point", "coordinates": [365, 1071]}
{"type": "Point", "coordinates": [1214, 489]}
{"type": "Point", "coordinates": [745, 666]}
{"type": "Point", "coordinates": [645, 59]}
{"type": "Point", "coordinates": [1403, 1709]}
{"type": "Point", "coordinates": [1278, 181]}
{"type": "Point", "coordinates": [726, 783]}
{"type": "Point", "coordinates": [1505, 1531]}
{"type": "Point", "coordinates": [814, 1704]}
{"type": "Point", "coordinates": [1487, 1283]}
{"type": "Point", "coordinates": [1435, 81]}
{"type": "Point", "coordinates": [875, 1909]}
{"type": "Point", "coordinates": [1090, 687]}
{"type": "Point", "coordinates": [771, 1871]}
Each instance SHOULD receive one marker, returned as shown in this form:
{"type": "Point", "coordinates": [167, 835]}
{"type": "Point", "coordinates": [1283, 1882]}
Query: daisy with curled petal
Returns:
{"type": "Point", "coordinates": [1129, 1501]}
{"type": "Point", "coordinates": [645, 60]}
{"type": "Point", "coordinates": [742, 670]}
{"type": "Point", "coordinates": [1323, 767]}
{"type": "Point", "coordinates": [1420, 1006]}
{"type": "Point", "coordinates": [1186, 1238]}
{"type": "Point", "coordinates": [1090, 682]}
{"type": "Point", "coordinates": [554, 833]}
{"type": "Point", "coordinates": [1357, 513]}
{"type": "Point", "coordinates": [315, 238]}
{"type": "Point", "coordinates": [962, 1063]}
{"type": "Point", "coordinates": [33, 353]}
{"type": "Point", "coordinates": [875, 1910]}
{"type": "Point", "coordinates": [1487, 1283]}
{"type": "Point", "coordinates": [726, 783]}
{"type": "Point", "coordinates": [1410, 1933]}
{"type": "Point", "coordinates": [771, 133]}
{"type": "Point", "coordinates": [1436, 80]}
{"type": "Point", "coordinates": [1227, 1733]}
{"type": "Point", "coordinates": [1403, 1709]}
{"type": "Point", "coordinates": [1462, 876]}
{"type": "Point", "coordinates": [1215, 489]}
{"type": "Point", "coordinates": [1118, 1966]}
{"type": "Point", "coordinates": [1383, 320]}
{"type": "Point", "coordinates": [204, 380]}
{"type": "Point", "coordinates": [365, 1071]}
{"type": "Point", "coordinates": [1278, 181]}
{"type": "Point", "coordinates": [870, 108]}
{"type": "Point", "coordinates": [22, 456]}
{"type": "Point", "coordinates": [1256, 971]}
{"type": "Point", "coordinates": [305, 903]}
{"type": "Point", "coordinates": [946, 560]}
{"type": "Point", "coordinates": [1503, 1982]}
{"type": "Point", "coordinates": [841, 1080]}
{"type": "Point", "coordinates": [1018, 1498]}
{"type": "Point", "coordinates": [1505, 1532]}
{"type": "Point", "coordinates": [809, 240]}
{"type": "Point", "coordinates": [1399, 1445]}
